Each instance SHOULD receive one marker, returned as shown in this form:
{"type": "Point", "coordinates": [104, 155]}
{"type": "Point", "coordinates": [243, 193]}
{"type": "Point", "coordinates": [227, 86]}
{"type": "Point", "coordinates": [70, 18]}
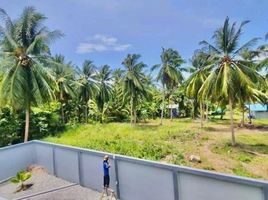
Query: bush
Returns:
{"type": "Point", "coordinates": [9, 127]}
{"type": "Point", "coordinates": [44, 121]}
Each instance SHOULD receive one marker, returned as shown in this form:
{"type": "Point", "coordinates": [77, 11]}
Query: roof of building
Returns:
{"type": "Point", "coordinates": [257, 107]}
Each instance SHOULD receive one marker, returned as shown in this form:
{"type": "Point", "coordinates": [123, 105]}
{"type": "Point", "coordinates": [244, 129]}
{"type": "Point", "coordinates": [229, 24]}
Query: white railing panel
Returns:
{"type": "Point", "coordinates": [203, 188]}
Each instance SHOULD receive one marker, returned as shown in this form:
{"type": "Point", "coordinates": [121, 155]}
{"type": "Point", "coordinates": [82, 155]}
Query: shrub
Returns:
{"type": "Point", "coordinates": [9, 127]}
{"type": "Point", "coordinates": [44, 121]}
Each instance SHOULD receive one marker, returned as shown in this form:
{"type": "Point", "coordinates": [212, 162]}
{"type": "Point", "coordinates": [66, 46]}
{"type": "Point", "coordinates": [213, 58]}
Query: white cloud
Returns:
{"type": "Point", "coordinates": [88, 48]}
{"type": "Point", "coordinates": [105, 39]}
{"type": "Point", "coordinates": [122, 47]}
{"type": "Point", "coordinates": [100, 43]}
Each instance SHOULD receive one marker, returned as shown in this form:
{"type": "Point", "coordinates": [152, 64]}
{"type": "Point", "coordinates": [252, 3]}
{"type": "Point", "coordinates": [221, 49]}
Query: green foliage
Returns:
{"type": "Point", "coordinates": [105, 87]}
{"type": "Point", "coordinates": [45, 121]}
{"type": "Point", "coordinates": [229, 77]}
{"type": "Point", "coordinates": [221, 73]}
{"type": "Point", "coordinates": [21, 177]}
{"type": "Point", "coordinates": [170, 69]}
{"type": "Point", "coordinates": [134, 83]}
{"type": "Point", "coordinates": [65, 82]}
{"type": "Point", "coordinates": [138, 141]}
{"type": "Point", "coordinates": [24, 51]}
{"type": "Point", "coordinates": [231, 80]}
{"type": "Point", "coordinates": [87, 86]}
{"type": "Point", "coordinates": [243, 157]}
{"type": "Point", "coordinates": [241, 171]}
{"type": "Point", "coordinates": [9, 127]}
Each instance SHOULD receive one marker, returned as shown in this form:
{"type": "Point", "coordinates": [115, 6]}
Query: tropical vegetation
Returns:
{"type": "Point", "coordinates": [42, 94]}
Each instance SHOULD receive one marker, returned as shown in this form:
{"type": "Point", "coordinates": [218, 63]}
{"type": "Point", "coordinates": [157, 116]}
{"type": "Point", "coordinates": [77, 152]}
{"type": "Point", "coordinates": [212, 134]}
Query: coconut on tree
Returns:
{"type": "Point", "coordinates": [228, 74]}
{"type": "Point", "coordinates": [24, 49]}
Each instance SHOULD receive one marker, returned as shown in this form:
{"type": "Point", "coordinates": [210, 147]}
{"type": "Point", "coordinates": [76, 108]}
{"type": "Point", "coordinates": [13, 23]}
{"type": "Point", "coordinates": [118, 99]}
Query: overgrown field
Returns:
{"type": "Point", "coordinates": [175, 141]}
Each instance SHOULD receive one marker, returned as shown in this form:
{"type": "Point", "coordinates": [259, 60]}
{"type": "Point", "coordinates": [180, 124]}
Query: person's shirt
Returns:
{"type": "Point", "coordinates": [106, 167]}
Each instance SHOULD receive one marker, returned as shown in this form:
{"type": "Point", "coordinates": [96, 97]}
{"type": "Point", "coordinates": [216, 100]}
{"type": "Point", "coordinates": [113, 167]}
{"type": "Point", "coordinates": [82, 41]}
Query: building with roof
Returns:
{"type": "Point", "coordinates": [259, 111]}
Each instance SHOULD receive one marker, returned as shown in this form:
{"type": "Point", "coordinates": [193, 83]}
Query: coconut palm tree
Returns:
{"type": "Point", "coordinates": [64, 76]}
{"type": "Point", "coordinates": [24, 48]}
{"type": "Point", "coordinates": [169, 74]}
{"type": "Point", "coordinates": [117, 107]}
{"type": "Point", "coordinates": [228, 74]}
{"type": "Point", "coordinates": [199, 69]}
{"type": "Point", "coordinates": [134, 82]}
{"type": "Point", "coordinates": [87, 85]}
{"type": "Point", "coordinates": [105, 87]}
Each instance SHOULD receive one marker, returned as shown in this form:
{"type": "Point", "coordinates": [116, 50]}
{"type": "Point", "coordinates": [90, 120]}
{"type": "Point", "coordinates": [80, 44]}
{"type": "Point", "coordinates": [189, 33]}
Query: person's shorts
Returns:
{"type": "Point", "coordinates": [106, 181]}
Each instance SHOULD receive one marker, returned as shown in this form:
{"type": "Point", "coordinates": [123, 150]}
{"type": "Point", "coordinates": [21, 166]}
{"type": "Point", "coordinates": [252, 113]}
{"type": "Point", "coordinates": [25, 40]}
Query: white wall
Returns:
{"type": "Point", "coordinates": [138, 179]}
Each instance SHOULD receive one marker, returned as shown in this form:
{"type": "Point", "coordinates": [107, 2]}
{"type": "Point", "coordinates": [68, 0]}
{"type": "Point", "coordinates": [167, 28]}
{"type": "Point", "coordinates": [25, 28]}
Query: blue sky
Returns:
{"type": "Point", "coordinates": [105, 31]}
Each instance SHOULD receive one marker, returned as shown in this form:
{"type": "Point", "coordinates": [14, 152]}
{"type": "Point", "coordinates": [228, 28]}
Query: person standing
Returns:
{"type": "Point", "coordinates": [106, 179]}
{"type": "Point", "coordinates": [106, 175]}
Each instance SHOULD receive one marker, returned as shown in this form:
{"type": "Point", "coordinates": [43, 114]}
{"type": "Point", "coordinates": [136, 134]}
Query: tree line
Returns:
{"type": "Point", "coordinates": [222, 73]}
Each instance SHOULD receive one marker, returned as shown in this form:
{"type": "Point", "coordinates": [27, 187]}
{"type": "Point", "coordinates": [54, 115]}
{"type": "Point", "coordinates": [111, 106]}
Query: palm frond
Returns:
{"type": "Point", "coordinates": [247, 45]}
{"type": "Point", "coordinates": [209, 46]}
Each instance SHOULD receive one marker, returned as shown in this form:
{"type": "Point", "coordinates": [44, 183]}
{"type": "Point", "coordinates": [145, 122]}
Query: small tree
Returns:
{"type": "Point", "coordinates": [20, 179]}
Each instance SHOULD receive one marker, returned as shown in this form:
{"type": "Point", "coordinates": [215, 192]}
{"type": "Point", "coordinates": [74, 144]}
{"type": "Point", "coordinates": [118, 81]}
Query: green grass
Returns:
{"type": "Point", "coordinates": [142, 141]}
{"type": "Point", "coordinates": [240, 171]}
{"type": "Point", "coordinates": [175, 141]}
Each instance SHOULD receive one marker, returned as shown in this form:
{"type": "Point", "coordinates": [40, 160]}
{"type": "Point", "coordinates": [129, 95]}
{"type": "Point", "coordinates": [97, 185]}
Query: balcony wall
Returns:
{"type": "Point", "coordinates": [131, 178]}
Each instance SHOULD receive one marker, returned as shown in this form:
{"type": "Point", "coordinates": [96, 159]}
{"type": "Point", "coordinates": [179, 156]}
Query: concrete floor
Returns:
{"type": "Point", "coordinates": [43, 183]}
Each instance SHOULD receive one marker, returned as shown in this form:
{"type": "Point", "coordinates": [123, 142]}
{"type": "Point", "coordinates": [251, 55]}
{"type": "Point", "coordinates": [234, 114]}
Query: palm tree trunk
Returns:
{"type": "Point", "coordinates": [62, 113]}
{"type": "Point", "coordinates": [131, 109]}
{"type": "Point", "coordinates": [206, 111]}
{"type": "Point", "coordinates": [193, 109]}
{"type": "Point", "coordinates": [243, 117]}
{"type": "Point", "coordinates": [62, 109]}
{"type": "Point", "coordinates": [162, 108]}
{"type": "Point", "coordinates": [135, 115]}
{"type": "Point", "coordinates": [222, 114]}
{"type": "Point", "coordinates": [101, 120]}
{"type": "Point", "coordinates": [27, 123]}
{"type": "Point", "coordinates": [171, 116]}
{"type": "Point", "coordinates": [78, 115]}
{"type": "Point", "coordinates": [86, 120]}
{"type": "Point", "coordinates": [232, 122]}
{"type": "Point", "coordinates": [201, 115]}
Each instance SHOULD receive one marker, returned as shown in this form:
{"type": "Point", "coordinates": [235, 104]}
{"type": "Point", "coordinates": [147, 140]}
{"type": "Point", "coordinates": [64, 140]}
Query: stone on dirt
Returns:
{"type": "Point", "coordinates": [195, 159]}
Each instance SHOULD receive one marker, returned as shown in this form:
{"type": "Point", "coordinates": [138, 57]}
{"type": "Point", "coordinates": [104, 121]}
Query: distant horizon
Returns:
{"type": "Point", "coordinates": [106, 32]}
